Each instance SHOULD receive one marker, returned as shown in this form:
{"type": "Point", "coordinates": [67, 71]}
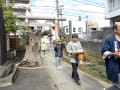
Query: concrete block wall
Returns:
{"type": "Point", "coordinates": [95, 46]}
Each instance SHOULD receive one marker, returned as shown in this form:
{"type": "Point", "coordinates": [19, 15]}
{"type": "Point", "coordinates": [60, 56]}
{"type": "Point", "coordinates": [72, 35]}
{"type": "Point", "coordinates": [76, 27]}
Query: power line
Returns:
{"type": "Point", "coordinates": [68, 9]}
{"type": "Point", "coordinates": [93, 2]}
{"type": "Point", "coordinates": [73, 13]}
{"type": "Point", "coordinates": [70, 15]}
{"type": "Point", "coordinates": [80, 15]}
{"type": "Point", "coordinates": [89, 3]}
{"type": "Point", "coordinates": [89, 17]}
{"type": "Point", "coordinates": [84, 11]}
{"type": "Point", "coordinates": [52, 12]}
{"type": "Point", "coordinates": [83, 2]}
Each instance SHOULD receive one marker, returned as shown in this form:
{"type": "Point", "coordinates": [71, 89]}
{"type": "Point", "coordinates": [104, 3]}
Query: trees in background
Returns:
{"type": "Point", "coordinates": [9, 18]}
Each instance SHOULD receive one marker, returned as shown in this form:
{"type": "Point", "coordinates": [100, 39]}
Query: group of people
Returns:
{"type": "Point", "coordinates": [73, 48]}
{"type": "Point", "coordinates": [110, 52]}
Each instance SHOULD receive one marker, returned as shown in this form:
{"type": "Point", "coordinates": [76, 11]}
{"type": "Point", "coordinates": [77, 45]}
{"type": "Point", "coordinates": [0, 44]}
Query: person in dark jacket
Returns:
{"type": "Point", "coordinates": [111, 54]}
{"type": "Point", "coordinates": [58, 54]}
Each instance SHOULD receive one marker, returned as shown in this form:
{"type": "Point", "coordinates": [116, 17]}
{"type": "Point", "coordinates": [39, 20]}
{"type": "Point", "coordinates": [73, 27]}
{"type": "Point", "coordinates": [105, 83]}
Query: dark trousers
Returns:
{"type": "Point", "coordinates": [75, 74]}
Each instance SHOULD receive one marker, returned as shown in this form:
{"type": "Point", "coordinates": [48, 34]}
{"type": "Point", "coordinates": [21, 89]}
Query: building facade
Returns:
{"type": "Point", "coordinates": [22, 8]}
{"type": "Point", "coordinates": [78, 27]}
{"type": "Point", "coordinates": [113, 10]}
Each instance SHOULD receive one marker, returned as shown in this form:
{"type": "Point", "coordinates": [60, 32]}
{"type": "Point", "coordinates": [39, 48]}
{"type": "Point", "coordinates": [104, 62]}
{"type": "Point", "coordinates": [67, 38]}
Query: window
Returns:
{"type": "Point", "coordinates": [74, 30]}
{"type": "Point", "coordinates": [80, 29]}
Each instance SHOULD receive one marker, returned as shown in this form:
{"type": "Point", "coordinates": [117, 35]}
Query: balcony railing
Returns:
{"type": "Point", "coordinates": [20, 13]}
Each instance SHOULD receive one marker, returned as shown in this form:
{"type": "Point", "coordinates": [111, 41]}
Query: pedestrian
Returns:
{"type": "Point", "coordinates": [111, 55]}
{"type": "Point", "coordinates": [43, 47]}
{"type": "Point", "coordinates": [73, 48]}
{"type": "Point", "coordinates": [58, 54]}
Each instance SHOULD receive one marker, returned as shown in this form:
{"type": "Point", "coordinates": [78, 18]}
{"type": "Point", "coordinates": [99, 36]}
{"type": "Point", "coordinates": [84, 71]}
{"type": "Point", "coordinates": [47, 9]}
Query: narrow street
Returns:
{"type": "Point", "coordinates": [36, 79]}
{"type": "Point", "coordinates": [49, 78]}
{"type": "Point", "coordinates": [63, 77]}
{"type": "Point", "coordinates": [87, 30]}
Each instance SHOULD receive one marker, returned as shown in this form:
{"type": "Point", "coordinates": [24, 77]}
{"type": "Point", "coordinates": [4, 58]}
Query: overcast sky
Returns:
{"type": "Point", "coordinates": [72, 9]}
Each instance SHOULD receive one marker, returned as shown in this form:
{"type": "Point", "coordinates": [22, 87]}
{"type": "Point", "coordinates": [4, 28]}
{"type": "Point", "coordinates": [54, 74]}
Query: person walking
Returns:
{"type": "Point", "coordinates": [58, 54]}
{"type": "Point", "coordinates": [111, 55]}
{"type": "Point", "coordinates": [43, 47]}
{"type": "Point", "coordinates": [73, 48]}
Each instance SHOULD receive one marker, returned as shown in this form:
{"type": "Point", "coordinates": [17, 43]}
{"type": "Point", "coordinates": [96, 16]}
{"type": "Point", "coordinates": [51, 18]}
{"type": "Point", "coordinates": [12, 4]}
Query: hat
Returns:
{"type": "Point", "coordinates": [58, 41]}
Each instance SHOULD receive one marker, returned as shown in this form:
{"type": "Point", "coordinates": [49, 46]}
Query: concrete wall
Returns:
{"type": "Point", "coordinates": [96, 41]}
{"type": "Point", "coordinates": [92, 46]}
{"type": "Point", "coordinates": [97, 35]}
{"type": "Point", "coordinates": [107, 31]}
{"type": "Point", "coordinates": [93, 41]}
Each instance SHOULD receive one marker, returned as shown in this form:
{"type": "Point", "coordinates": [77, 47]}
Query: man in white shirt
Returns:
{"type": "Point", "coordinates": [73, 48]}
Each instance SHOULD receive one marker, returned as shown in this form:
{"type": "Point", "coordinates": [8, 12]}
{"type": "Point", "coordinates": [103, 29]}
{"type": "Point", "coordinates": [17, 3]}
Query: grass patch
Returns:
{"type": "Point", "coordinates": [94, 65]}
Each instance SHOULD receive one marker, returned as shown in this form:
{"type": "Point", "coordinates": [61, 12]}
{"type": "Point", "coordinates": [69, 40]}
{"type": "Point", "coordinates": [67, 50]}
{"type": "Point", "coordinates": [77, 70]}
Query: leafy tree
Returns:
{"type": "Point", "coordinates": [45, 33]}
{"type": "Point", "coordinates": [9, 18]}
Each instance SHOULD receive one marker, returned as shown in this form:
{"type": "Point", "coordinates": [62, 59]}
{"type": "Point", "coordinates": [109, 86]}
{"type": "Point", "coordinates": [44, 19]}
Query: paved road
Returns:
{"type": "Point", "coordinates": [87, 82]}
{"type": "Point", "coordinates": [40, 79]}
{"type": "Point", "coordinates": [37, 79]}
{"type": "Point", "coordinates": [112, 88]}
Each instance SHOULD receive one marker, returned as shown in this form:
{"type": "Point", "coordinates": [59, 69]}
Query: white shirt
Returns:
{"type": "Point", "coordinates": [74, 47]}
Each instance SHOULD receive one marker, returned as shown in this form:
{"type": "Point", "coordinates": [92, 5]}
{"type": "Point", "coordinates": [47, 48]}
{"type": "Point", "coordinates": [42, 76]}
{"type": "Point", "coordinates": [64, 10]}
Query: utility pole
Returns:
{"type": "Point", "coordinates": [70, 30]}
{"type": "Point", "coordinates": [87, 24]}
{"type": "Point", "coordinates": [57, 21]}
{"type": "Point", "coordinates": [57, 8]}
{"type": "Point", "coordinates": [61, 31]}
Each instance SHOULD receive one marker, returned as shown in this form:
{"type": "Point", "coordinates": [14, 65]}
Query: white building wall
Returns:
{"type": "Point", "coordinates": [80, 28]}
{"type": "Point", "coordinates": [77, 25]}
{"type": "Point", "coordinates": [112, 8]}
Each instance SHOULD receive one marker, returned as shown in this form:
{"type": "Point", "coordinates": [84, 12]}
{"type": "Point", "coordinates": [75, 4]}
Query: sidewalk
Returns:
{"type": "Point", "coordinates": [63, 79]}
{"type": "Point", "coordinates": [33, 79]}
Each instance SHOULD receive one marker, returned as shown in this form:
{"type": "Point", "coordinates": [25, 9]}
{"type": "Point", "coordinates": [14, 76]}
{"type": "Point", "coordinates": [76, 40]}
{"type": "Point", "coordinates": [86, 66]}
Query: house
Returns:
{"type": "Point", "coordinates": [113, 10]}
{"type": "Point", "coordinates": [22, 8]}
{"type": "Point", "coordinates": [76, 27]}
